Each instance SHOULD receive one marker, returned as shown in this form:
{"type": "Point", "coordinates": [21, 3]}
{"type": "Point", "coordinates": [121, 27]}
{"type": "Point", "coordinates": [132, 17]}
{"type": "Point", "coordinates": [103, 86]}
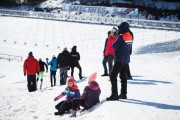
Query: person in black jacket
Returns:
{"type": "Point", "coordinates": [41, 73]}
{"type": "Point", "coordinates": [75, 57]}
{"type": "Point", "coordinates": [63, 61]}
{"type": "Point", "coordinates": [105, 59]}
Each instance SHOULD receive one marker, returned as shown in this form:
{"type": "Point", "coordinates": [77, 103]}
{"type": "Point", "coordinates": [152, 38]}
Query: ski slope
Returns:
{"type": "Point", "coordinates": [154, 92]}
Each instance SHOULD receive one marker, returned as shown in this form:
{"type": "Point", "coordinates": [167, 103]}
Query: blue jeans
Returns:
{"type": "Point", "coordinates": [63, 75]}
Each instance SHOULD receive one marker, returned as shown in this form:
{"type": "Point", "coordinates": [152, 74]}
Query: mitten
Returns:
{"type": "Point", "coordinates": [68, 68]}
{"type": "Point", "coordinates": [58, 97]}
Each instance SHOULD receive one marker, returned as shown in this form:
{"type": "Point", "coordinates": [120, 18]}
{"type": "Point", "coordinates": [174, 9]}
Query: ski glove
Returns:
{"type": "Point", "coordinates": [24, 74]}
{"type": "Point", "coordinates": [58, 97]}
{"type": "Point", "coordinates": [68, 68]}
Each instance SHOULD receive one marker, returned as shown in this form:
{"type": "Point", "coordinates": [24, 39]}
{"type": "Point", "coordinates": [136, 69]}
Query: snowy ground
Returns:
{"type": "Point", "coordinates": [153, 94]}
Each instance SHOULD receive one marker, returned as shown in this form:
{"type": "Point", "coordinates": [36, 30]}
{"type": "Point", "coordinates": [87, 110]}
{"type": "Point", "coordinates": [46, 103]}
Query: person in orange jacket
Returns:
{"type": "Point", "coordinates": [122, 47]}
{"type": "Point", "coordinates": [31, 67]}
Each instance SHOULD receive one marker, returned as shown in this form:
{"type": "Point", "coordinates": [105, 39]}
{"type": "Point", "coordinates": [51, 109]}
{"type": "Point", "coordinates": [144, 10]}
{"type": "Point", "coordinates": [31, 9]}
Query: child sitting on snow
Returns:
{"type": "Point", "coordinates": [89, 98]}
{"type": "Point", "coordinates": [72, 92]}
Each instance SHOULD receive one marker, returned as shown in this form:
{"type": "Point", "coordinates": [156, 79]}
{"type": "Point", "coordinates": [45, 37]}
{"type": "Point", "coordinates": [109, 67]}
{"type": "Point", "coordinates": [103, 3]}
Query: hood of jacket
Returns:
{"type": "Point", "coordinates": [93, 85]}
{"type": "Point", "coordinates": [123, 27]}
{"type": "Point", "coordinates": [65, 52]}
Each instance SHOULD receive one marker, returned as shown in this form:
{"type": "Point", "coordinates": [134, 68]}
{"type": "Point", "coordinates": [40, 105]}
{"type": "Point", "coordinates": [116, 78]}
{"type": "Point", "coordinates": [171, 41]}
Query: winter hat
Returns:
{"type": "Point", "coordinates": [123, 27]}
{"type": "Point", "coordinates": [65, 49]}
{"type": "Point", "coordinates": [114, 31]}
{"type": "Point", "coordinates": [74, 47]}
{"type": "Point", "coordinates": [53, 56]}
{"type": "Point", "coordinates": [92, 77]}
{"type": "Point", "coordinates": [108, 33]}
{"type": "Point", "coordinates": [70, 79]}
{"type": "Point", "coordinates": [30, 54]}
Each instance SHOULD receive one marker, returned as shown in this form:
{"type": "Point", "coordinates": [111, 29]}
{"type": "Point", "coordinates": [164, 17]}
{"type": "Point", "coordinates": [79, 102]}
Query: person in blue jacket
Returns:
{"type": "Point", "coordinates": [53, 69]}
{"type": "Point", "coordinates": [122, 47]}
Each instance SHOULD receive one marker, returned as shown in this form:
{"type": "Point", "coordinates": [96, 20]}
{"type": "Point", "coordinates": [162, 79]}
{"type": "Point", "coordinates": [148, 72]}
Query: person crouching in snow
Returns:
{"type": "Point", "coordinates": [89, 98]}
{"type": "Point", "coordinates": [72, 92]}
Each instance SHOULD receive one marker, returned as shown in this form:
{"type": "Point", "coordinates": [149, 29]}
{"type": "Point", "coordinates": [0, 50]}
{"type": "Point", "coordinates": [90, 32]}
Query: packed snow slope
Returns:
{"type": "Point", "coordinates": [153, 94]}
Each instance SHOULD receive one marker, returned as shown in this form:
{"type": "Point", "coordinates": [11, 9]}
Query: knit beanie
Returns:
{"type": "Point", "coordinates": [30, 54]}
{"type": "Point", "coordinates": [70, 79]}
{"type": "Point", "coordinates": [65, 49]}
{"type": "Point", "coordinates": [92, 77]}
{"type": "Point", "coordinates": [74, 48]}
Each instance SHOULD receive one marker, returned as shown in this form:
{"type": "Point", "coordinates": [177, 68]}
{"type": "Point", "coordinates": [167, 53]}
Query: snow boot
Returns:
{"type": "Point", "coordinates": [73, 113]}
{"type": "Point", "coordinates": [112, 98]}
{"type": "Point", "coordinates": [121, 96]}
{"type": "Point", "coordinates": [40, 87]}
{"type": "Point", "coordinates": [105, 74]}
{"type": "Point", "coordinates": [129, 77]}
{"type": "Point", "coordinates": [80, 76]}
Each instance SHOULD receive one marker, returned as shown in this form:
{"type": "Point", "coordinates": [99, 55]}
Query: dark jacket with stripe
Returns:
{"type": "Point", "coordinates": [123, 45]}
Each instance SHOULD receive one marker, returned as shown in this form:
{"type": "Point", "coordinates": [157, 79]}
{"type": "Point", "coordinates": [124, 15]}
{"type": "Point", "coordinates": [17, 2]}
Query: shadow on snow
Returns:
{"type": "Point", "coordinates": [152, 104]}
{"type": "Point", "coordinates": [170, 46]}
{"type": "Point", "coordinates": [147, 82]}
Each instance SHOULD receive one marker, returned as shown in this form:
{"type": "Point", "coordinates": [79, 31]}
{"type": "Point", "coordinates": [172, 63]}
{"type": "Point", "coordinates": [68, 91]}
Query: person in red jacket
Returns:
{"type": "Point", "coordinates": [105, 59]}
{"type": "Point", "coordinates": [109, 51]}
{"type": "Point", "coordinates": [31, 67]}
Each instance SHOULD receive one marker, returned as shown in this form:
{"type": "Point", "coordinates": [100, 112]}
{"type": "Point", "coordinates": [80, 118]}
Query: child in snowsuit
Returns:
{"type": "Point", "coordinates": [53, 69]}
{"type": "Point", "coordinates": [89, 98]}
{"type": "Point", "coordinates": [71, 92]}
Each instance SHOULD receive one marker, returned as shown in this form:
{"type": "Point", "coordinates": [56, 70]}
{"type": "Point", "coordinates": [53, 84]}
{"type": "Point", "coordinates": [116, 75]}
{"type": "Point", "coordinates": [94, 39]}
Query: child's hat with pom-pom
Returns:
{"type": "Point", "coordinates": [92, 77]}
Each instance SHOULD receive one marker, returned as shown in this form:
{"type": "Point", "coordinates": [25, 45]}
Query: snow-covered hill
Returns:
{"type": "Point", "coordinates": [154, 92]}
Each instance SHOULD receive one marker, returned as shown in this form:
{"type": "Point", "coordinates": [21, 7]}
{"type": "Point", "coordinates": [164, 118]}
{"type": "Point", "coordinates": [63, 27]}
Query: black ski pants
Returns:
{"type": "Point", "coordinates": [63, 106]}
{"type": "Point", "coordinates": [31, 83]}
{"type": "Point", "coordinates": [122, 69]}
{"type": "Point", "coordinates": [76, 103]}
{"type": "Point", "coordinates": [80, 70]}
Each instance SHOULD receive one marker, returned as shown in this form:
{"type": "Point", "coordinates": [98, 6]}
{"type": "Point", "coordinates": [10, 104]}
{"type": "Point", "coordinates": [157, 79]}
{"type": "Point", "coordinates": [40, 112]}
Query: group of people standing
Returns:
{"type": "Point", "coordinates": [108, 53]}
{"type": "Point", "coordinates": [118, 48]}
{"type": "Point", "coordinates": [64, 62]}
